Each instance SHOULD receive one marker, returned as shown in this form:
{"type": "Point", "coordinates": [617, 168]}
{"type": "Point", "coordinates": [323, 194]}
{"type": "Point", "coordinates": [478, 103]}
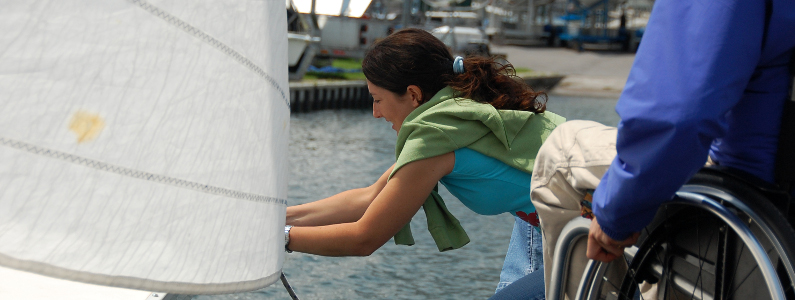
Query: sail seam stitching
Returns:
{"type": "Point", "coordinates": [98, 165]}
{"type": "Point", "coordinates": [211, 41]}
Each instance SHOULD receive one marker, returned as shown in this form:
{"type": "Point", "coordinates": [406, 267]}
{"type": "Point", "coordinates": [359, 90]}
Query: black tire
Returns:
{"type": "Point", "coordinates": [689, 253]}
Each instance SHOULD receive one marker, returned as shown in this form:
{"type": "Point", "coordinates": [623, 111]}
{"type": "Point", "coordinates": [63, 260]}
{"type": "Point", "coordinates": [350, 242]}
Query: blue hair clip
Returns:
{"type": "Point", "coordinates": [458, 65]}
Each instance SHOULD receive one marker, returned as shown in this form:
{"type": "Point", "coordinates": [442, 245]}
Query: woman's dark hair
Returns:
{"type": "Point", "coordinates": [415, 57]}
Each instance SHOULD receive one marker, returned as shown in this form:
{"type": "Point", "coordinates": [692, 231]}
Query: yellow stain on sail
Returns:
{"type": "Point", "coordinates": [86, 125]}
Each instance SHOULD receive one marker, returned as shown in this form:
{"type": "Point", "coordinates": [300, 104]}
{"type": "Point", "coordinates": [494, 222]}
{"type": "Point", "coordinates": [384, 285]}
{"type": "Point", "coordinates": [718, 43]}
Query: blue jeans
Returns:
{"type": "Point", "coordinates": [530, 287]}
{"type": "Point", "coordinates": [525, 254]}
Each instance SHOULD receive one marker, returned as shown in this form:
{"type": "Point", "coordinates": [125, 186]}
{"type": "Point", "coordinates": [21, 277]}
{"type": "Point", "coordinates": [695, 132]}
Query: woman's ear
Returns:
{"type": "Point", "coordinates": [416, 95]}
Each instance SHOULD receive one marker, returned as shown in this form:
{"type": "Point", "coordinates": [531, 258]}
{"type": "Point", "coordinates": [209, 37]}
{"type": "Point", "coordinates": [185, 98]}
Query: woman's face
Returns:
{"type": "Point", "coordinates": [393, 107]}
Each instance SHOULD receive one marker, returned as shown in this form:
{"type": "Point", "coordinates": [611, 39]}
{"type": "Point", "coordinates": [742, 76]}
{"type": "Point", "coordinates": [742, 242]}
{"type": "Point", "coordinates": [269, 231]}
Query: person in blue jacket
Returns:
{"type": "Point", "coordinates": [709, 81]}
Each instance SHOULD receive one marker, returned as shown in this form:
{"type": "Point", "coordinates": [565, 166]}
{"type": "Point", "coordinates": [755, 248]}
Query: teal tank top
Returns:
{"type": "Point", "coordinates": [488, 186]}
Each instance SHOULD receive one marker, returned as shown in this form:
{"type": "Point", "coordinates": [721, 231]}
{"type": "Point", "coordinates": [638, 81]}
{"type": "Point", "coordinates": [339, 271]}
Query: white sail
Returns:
{"type": "Point", "coordinates": [143, 143]}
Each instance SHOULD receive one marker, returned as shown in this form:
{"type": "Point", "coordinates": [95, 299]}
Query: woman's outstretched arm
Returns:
{"type": "Point", "coordinates": [391, 209]}
{"type": "Point", "coordinates": [345, 207]}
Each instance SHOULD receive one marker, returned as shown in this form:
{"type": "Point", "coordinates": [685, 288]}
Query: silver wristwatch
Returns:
{"type": "Point", "coordinates": [287, 238]}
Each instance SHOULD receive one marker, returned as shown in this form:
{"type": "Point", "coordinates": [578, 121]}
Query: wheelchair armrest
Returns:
{"type": "Point", "coordinates": [780, 198]}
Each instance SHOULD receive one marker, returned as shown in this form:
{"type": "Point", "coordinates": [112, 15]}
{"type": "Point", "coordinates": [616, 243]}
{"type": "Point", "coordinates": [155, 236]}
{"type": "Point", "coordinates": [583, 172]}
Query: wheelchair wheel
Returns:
{"type": "Point", "coordinates": [690, 252]}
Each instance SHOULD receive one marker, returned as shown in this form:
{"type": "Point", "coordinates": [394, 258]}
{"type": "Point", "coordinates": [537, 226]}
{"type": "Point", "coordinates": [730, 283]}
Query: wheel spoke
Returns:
{"type": "Point", "coordinates": [743, 281]}
{"type": "Point", "coordinates": [742, 250]}
{"type": "Point", "coordinates": [700, 260]}
{"type": "Point", "coordinates": [665, 276]}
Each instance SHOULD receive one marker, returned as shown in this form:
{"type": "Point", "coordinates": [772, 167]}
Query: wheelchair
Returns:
{"type": "Point", "coordinates": [723, 236]}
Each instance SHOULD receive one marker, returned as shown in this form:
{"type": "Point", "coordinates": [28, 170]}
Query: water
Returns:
{"type": "Point", "coordinates": [336, 150]}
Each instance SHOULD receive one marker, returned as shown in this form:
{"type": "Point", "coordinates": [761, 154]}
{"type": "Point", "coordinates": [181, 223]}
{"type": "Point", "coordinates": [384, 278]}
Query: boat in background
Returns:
{"type": "Point", "coordinates": [463, 40]}
{"type": "Point", "coordinates": [302, 41]}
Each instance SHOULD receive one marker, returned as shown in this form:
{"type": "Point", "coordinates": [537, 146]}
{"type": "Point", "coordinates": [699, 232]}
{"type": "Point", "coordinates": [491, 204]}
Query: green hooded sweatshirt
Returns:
{"type": "Point", "coordinates": [446, 123]}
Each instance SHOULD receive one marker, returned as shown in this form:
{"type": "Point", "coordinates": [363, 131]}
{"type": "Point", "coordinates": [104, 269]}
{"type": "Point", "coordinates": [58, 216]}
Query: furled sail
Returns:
{"type": "Point", "coordinates": [143, 143]}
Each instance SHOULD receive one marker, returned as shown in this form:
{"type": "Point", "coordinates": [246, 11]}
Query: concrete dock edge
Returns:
{"type": "Point", "coordinates": [306, 96]}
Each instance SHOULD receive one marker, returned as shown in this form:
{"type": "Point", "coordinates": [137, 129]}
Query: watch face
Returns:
{"type": "Point", "coordinates": [287, 238]}
{"type": "Point", "coordinates": [287, 234]}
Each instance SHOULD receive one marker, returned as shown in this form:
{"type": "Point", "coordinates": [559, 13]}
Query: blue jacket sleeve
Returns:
{"type": "Point", "coordinates": [691, 69]}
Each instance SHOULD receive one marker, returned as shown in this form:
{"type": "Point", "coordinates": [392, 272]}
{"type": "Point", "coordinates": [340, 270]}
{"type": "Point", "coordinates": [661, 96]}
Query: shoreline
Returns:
{"type": "Point", "coordinates": [585, 86]}
{"type": "Point", "coordinates": [594, 73]}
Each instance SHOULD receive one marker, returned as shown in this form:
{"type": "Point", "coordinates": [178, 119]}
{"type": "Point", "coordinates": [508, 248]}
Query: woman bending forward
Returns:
{"type": "Point", "coordinates": [467, 123]}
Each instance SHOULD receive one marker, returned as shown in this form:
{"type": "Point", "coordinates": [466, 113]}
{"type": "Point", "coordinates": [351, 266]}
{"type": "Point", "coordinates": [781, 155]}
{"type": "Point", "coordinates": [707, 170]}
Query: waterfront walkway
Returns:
{"type": "Point", "coordinates": [588, 73]}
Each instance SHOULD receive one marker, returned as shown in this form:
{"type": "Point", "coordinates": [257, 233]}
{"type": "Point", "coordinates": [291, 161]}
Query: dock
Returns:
{"type": "Point", "coordinates": [306, 96]}
{"type": "Point", "coordinates": [314, 95]}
